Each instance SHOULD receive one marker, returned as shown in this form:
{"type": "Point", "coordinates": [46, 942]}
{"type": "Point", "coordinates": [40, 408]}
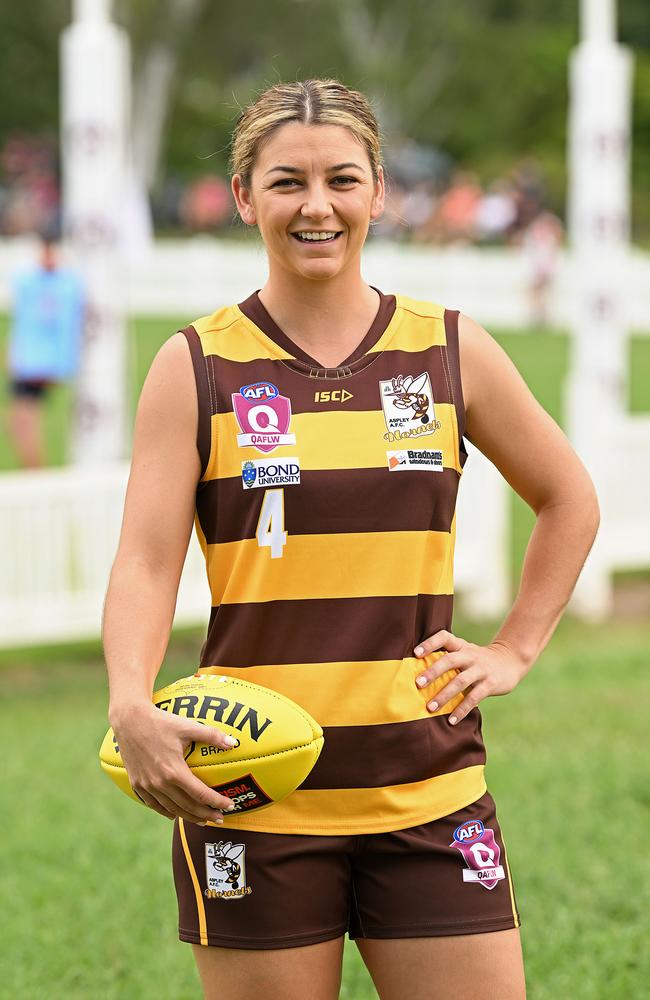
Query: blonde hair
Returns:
{"type": "Point", "coordinates": [312, 102]}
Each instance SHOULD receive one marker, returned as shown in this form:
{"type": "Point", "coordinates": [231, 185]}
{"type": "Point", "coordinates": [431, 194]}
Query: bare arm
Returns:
{"type": "Point", "coordinates": [141, 597]}
{"type": "Point", "coordinates": [506, 423]}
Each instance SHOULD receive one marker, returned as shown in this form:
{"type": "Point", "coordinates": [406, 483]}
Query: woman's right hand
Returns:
{"type": "Point", "coordinates": [152, 745]}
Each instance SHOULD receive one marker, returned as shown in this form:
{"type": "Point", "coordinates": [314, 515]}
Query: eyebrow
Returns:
{"type": "Point", "coordinates": [297, 170]}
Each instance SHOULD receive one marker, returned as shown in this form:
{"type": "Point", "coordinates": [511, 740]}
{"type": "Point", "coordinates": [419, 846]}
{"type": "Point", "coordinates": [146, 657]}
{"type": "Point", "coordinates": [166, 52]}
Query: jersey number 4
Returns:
{"type": "Point", "coordinates": [270, 526]}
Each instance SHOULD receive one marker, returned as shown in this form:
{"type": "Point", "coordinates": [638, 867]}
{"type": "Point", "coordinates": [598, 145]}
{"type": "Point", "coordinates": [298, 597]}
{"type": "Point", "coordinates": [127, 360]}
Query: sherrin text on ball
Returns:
{"type": "Point", "coordinates": [278, 742]}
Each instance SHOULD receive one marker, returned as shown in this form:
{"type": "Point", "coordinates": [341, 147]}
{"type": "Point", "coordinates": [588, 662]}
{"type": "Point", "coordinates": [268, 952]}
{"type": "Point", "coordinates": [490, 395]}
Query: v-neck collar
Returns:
{"type": "Point", "coordinates": [255, 311]}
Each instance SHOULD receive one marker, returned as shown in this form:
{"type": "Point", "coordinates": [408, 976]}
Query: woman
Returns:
{"type": "Point", "coordinates": [316, 431]}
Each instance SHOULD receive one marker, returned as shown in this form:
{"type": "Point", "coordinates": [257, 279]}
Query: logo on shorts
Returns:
{"type": "Point", "coordinates": [407, 401]}
{"type": "Point", "coordinates": [225, 871]}
{"type": "Point", "coordinates": [480, 851]}
{"type": "Point", "coordinates": [264, 417]}
{"type": "Point", "coordinates": [271, 472]}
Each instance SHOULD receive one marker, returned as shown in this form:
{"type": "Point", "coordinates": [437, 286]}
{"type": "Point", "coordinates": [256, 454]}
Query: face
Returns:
{"type": "Point", "coordinates": [48, 256]}
{"type": "Point", "coordinates": [311, 180]}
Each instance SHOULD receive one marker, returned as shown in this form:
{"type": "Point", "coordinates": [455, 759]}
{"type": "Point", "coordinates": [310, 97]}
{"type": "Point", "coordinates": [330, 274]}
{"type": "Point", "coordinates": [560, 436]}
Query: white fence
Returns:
{"type": "Point", "coordinates": [59, 530]}
{"type": "Point", "coordinates": [623, 541]}
{"type": "Point", "coordinates": [193, 277]}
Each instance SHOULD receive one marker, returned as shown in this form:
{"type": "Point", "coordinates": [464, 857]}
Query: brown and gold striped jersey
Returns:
{"type": "Point", "coordinates": [326, 513]}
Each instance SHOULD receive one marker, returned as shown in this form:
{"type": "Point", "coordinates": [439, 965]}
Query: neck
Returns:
{"type": "Point", "coordinates": [327, 319]}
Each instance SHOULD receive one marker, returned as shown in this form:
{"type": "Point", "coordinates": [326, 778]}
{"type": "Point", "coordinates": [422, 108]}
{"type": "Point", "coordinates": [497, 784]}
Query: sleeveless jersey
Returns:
{"type": "Point", "coordinates": [326, 514]}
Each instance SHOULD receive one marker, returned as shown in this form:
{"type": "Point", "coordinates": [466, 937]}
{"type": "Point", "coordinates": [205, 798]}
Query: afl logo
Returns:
{"type": "Point", "coordinates": [469, 831]}
{"type": "Point", "coordinates": [259, 390]}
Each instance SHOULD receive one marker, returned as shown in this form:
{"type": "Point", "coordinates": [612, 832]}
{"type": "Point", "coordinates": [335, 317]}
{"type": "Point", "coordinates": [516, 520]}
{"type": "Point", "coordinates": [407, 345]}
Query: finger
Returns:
{"type": "Point", "coordinates": [460, 683]}
{"type": "Point", "coordinates": [153, 804]}
{"type": "Point", "coordinates": [191, 814]}
{"type": "Point", "coordinates": [201, 795]}
{"type": "Point", "coordinates": [469, 702]}
{"type": "Point", "coordinates": [176, 804]}
{"type": "Point", "coordinates": [450, 661]}
{"type": "Point", "coordinates": [187, 804]}
{"type": "Point", "coordinates": [440, 640]}
{"type": "Point", "coordinates": [199, 733]}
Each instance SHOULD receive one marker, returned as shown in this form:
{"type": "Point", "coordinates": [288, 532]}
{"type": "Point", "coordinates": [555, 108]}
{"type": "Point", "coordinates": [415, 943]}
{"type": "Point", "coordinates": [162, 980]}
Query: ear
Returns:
{"type": "Point", "coordinates": [243, 200]}
{"type": "Point", "coordinates": [379, 197]}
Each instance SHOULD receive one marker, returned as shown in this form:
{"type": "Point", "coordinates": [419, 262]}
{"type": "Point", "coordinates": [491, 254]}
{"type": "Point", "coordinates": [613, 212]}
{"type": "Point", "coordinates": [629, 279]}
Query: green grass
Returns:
{"type": "Point", "coordinates": [87, 903]}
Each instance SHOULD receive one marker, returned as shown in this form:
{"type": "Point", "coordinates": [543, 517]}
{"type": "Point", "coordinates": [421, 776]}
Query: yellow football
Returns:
{"type": "Point", "coordinates": [278, 742]}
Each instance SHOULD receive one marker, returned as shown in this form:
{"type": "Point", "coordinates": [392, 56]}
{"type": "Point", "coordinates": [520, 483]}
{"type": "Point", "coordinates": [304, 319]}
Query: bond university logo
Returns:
{"type": "Point", "coordinates": [262, 472]}
{"type": "Point", "coordinates": [407, 401]}
{"type": "Point", "coordinates": [481, 853]}
{"type": "Point", "coordinates": [264, 417]}
{"type": "Point", "coordinates": [225, 870]}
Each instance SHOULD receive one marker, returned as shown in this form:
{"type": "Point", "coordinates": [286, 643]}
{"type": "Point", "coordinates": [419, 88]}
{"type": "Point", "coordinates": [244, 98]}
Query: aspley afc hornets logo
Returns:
{"type": "Point", "coordinates": [226, 871]}
{"type": "Point", "coordinates": [409, 411]}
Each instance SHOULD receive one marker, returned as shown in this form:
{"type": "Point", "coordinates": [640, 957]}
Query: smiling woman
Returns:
{"type": "Point", "coordinates": [278, 426]}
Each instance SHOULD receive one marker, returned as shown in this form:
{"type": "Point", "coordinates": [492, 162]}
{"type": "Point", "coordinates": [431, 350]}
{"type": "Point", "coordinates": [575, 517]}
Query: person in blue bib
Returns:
{"type": "Point", "coordinates": [44, 345]}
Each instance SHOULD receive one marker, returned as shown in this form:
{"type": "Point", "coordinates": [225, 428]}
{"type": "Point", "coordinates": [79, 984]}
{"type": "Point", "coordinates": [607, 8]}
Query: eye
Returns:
{"type": "Point", "coordinates": [284, 182]}
{"type": "Point", "coordinates": [345, 180]}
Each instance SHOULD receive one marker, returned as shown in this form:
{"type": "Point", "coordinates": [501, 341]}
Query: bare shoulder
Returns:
{"type": "Point", "coordinates": [168, 402]}
{"type": "Point", "coordinates": [481, 358]}
{"type": "Point", "coordinates": [165, 464]}
{"type": "Point", "coordinates": [167, 418]}
{"type": "Point", "coordinates": [170, 376]}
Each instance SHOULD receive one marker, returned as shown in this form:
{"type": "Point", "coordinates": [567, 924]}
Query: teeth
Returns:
{"type": "Point", "coordinates": [316, 236]}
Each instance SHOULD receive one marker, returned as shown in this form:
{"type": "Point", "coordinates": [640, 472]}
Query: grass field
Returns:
{"type": "Point", "coordinates": [87, 908]}
{"type": "Point", "coordinates": [87, 905]}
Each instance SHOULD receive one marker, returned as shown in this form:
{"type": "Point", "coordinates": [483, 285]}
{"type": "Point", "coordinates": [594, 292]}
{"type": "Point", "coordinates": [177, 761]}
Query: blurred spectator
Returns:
{"type": "Point", "coordinates": [541, 243]}
{"type": "Point", "coordinates": [44, 346]}
{"type": "Point", "coordinates": [207, 204]}
{"type": "Point", "coordinates": [496, 212]}
{"type": "Point", "coordinates": [457, 209]}
{"type": "Point", "coordinates": [418, 207]}
{"type": "Point", "coordinates": [29, 200]}
{"type": "Point", "coordinates": [530, 193]}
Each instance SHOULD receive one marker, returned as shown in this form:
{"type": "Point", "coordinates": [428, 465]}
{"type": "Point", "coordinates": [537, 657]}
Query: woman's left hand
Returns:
{"type": "Point", "coordinates": [482, 671]}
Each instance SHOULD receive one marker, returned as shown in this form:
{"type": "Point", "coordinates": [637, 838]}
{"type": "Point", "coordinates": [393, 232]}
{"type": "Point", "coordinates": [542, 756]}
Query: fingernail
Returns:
{"type": "Point", "coordinates": [418, 650]}
{"type": "Point", "coordinates": [229, 808]}
{"type": "Point", "coordinates": [230, 741]}
{"type": "Point", "coordinates": [420, 681]}
{"type": "Point", "coordinates": [432, 706]}
{"type": "Point", "coordinates": [452, 720]}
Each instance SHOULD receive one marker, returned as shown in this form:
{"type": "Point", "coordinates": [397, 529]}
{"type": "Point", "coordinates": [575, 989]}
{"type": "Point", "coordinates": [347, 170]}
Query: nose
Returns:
{"type": "Point", "coordinates": [316, 204]}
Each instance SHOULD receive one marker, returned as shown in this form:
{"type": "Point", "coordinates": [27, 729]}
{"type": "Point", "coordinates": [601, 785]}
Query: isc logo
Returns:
{"type": "Point", "coordinates": [259, 390]}
{"type": "Point", "coordinates": [468, 831]}
{"type": "Point", "coordinates": [333, 396]}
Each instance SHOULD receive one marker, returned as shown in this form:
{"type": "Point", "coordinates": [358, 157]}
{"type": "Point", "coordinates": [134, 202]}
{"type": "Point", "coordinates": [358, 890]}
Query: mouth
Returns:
{"type": "Point", "coordinates": [316, 237]}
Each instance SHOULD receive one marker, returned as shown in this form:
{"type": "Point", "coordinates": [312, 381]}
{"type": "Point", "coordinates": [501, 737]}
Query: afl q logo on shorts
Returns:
{"type": "Point", "coordinates": [481, 853]}
{"type": "Point", "coordinates": [264, 417]}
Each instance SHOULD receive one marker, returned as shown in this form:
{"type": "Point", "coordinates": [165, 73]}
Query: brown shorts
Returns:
{"type": "Point", "coordinates": [245, 889]}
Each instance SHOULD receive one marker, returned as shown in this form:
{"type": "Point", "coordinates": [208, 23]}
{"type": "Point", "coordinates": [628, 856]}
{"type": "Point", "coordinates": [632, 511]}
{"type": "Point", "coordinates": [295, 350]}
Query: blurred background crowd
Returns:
{"type": "Point", "coordinates": [430, 200]}
{"type": "Point", "coordinates": [471, 158]}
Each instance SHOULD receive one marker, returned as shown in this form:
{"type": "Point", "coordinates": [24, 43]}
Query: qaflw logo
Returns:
{"type": "Point", "coordinates": [481, 853]}
{"type": "Point", "coordinates": [225, 870]}
{"type": "Point", "coordinates": [264, 417]}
